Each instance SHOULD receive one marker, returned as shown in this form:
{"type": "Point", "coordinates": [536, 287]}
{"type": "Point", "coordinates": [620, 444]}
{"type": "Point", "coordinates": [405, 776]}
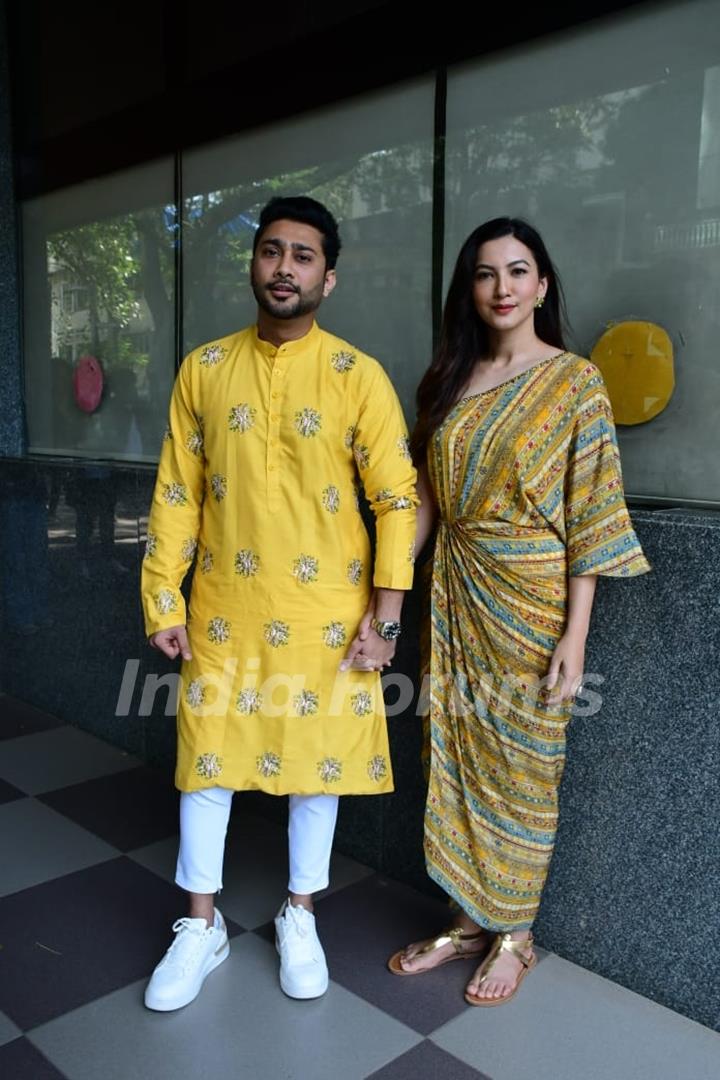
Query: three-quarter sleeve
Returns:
{"type": "Point", "coordinates": [382, 455]}
{"type": "Point", "coordinates": [175, 515]}
{"type": "Point", "coordinates": [599, 534]}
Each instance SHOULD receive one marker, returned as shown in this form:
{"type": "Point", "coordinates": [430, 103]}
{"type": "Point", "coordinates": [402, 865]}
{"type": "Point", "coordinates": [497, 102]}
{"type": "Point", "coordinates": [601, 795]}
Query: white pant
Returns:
{"type": "Point", "coordinates": [203, 824]}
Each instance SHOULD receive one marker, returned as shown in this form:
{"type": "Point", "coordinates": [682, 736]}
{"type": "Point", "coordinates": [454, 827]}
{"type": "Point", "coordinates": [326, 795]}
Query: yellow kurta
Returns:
{"type": "Point", "coordinates": [259, 480]}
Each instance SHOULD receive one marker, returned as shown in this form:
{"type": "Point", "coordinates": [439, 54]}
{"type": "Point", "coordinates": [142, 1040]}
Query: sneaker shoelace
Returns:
{"type": "Point", "coordinates": [188, 941]}
{"type": "Point", "coordinates": [300, 928]}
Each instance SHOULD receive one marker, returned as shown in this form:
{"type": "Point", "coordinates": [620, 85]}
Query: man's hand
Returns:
{"type": "Point", "coordinates": [172, 642]}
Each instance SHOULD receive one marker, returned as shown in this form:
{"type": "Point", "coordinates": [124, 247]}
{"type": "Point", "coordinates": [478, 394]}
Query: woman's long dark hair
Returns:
{"type": "Point", "coordinates": [464, 336]}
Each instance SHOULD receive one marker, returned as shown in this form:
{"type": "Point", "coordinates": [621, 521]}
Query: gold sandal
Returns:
{"type": "Point", "coordinates": [453, 936]}
{"type": "Point", "coordinates": [522, 950]}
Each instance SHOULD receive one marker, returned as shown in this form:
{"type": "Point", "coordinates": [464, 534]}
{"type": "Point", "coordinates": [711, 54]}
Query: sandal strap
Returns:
{"type": "Point", "coordinates": [453, 935]}
{"type": "Point", "coordinates": [522, 950]}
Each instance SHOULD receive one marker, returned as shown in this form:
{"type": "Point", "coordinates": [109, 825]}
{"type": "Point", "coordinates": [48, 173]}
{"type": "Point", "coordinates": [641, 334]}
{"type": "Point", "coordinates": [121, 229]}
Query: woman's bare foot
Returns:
{"type": "Point", "coordinates": [504, 974]}
{"type": "Point", "coordinates": [474, 940]}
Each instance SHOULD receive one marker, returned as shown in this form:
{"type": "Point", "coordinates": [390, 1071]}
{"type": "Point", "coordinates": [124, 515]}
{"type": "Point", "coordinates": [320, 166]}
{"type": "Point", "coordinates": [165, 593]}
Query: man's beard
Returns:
{"type": "Point", "coordinates": [292, 308]}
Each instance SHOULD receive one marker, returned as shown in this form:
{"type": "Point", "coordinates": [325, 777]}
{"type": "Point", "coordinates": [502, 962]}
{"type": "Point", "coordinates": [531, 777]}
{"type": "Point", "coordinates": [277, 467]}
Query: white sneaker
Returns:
{"type": "Point", "coordinates": [303, 970]}
{"type": "Point", "coordinates": [196, 951]}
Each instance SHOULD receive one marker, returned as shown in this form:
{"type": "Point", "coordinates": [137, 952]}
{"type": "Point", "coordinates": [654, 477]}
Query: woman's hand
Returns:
{"type": "Point", "coordinates": [371, 654]}
{"type": "Point", "coordinates": [565, 674]}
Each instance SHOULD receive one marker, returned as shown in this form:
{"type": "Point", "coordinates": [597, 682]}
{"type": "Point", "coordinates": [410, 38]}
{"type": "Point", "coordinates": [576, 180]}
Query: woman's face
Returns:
{"type": "Point", "coordinates": [506, 283]}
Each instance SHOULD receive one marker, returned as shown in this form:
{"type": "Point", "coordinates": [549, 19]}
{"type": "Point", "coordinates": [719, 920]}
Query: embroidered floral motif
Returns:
{"type": "Point", "coordinates": [269, 764]}
{"type": "Point", "coordinates": [354, 571]}
{"type": "Point", "coordinates": [377, 767]}
{"type": "Point", "coordinates": [247, 563]}
{"type": "Point", "coordinates": [187, 551]}
{"type": "Point", "coordinates": [194, 443]}
{"type": "Point", "coordinates": [249, 701]}
{"type": "Point", "coordinates": [306, 703]}
{"type": "Point", "coordinates": [151, 544]}
{"type": "Point", "coordinates": [207, 562]}
{"type": "Point", "coordinates": [362, 455]}
{"type": "Point", "coordinates": [166, 602]}
{"type": "Point", "coordinates": [175, 494]}
{"type": "Point", "coordinates": [241, 417]}
{"type": "Point", "coordinates": [401, 503]}
{"type": "Point", "coordinates": [277, 633]}
{"type": "Point", "coordinates": [362, 703]}
{"type": "Point", "coordinates": [334, 635]}
{"type": "Point", "coordinates": [350, 436]}
{"type": "Point", "coordinates": [343, 361]}
{"type": "Point", "coordinates": [331, 499]}
{"type": "Point", "coordinates": [308, 422]}
{"type": "Point", "coordinates": [195, 694]}
{"type": "Point", "coordinates": [218, 486]}
{"type": "Point", "coordinates": [411, 554]}
{"type": "Point", "coordinates": [218, 630]}
{"type": "Point", "coordinates": [305, 569]}
{"type": "Point", "coordinates": [329, 770]}
{"type": "Point", "coordinates": [383, 494]}
{"type": "Point", "coordinates": [208, 766]}
{"type": "Point", "coordinates": [403, 445]}
{"type": "Point", "coordinates": [167, 434]}
{"type": "Point", "coordinates": [212, 355]}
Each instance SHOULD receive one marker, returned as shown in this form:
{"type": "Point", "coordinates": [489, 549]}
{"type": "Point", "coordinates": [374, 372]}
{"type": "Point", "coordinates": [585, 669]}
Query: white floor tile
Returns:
{"type": "Point", "coordinates": [241, 1026]}
{"type": "Point", "coordinates": [8, 1030]}
{"type": "Point", "coordinates": [569, 1024]}
{"type": "Point", "coordinates": [37, 844]}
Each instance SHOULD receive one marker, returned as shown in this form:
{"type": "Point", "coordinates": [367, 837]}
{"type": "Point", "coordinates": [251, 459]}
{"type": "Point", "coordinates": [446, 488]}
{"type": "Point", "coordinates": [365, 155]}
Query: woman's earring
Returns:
{"type": "Point", "coordinates": [540, 301]}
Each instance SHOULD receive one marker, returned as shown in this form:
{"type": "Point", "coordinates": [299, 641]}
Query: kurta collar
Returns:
{"type": "Point", "coordinates": [290, 348]}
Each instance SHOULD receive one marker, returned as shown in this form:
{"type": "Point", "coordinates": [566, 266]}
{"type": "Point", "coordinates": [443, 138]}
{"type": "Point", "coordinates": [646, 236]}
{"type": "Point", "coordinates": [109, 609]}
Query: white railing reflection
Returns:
{"type": "Point", "coordinates": [687, 236]}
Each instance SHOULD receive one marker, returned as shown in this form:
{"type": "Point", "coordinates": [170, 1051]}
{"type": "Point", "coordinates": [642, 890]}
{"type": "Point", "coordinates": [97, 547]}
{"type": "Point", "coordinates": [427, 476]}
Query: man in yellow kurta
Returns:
{"type": "Point", "coordinates": [274, 431]}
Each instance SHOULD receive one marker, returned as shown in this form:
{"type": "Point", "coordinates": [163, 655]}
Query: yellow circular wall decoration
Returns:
{"type": "Point", "coordinates": [636, 361]}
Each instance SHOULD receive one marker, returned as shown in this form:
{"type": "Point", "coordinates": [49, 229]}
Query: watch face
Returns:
{"type": "Point", "coordinates": [390, 631]}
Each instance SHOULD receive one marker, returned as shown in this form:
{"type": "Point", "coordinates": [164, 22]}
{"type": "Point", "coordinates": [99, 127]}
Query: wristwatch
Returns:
{"type": "Point", "coordinates": [389, 631]}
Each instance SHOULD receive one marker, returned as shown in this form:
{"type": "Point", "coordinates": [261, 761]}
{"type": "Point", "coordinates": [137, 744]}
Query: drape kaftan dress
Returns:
{"type": "Point", "coordinates": [528, 484]}
{"type": "Point", "coordinates": [259, 480]}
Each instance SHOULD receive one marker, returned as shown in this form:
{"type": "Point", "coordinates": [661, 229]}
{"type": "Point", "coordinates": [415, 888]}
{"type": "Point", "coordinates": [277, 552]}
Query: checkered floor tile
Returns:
{"type": "Point", "coordinates": [87, 851]}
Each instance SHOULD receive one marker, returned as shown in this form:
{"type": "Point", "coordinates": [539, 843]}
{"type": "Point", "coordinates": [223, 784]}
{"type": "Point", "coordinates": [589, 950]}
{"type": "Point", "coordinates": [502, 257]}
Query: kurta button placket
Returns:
{"type": "Point", "coordinates": [273, 436]}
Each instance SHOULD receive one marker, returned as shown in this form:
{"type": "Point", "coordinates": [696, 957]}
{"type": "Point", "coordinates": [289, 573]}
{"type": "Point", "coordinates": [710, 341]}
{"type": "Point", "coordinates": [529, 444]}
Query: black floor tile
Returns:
{"type": "Point", "coordinates": [127, 809]}
{"type": "Point", "coordinates": [8, 793]}
{"type": "Point", "coordinates": [81, 936]}
{"type": "Point", "coordinates": [364, 924]}
{"type": "Point", "coordinates": [427, 1060]}
{"type": "Point", "coordinates": [17, 718]}
{"type": "Point", "coordinates": [19, 1060]}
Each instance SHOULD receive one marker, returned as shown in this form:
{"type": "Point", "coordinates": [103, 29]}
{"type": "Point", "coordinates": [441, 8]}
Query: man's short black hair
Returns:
{"type": "Point", "coordinates": [308, 212]}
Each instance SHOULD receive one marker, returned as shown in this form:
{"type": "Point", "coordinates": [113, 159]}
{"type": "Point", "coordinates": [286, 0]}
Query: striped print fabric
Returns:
{"type": "Point", "coordinates": [529, 489]}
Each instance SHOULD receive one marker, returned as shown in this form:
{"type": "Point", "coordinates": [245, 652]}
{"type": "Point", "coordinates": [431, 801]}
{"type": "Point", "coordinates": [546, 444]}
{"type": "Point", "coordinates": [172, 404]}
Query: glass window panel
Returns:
{"type": "Point", "coordinates": [370, 162]}
{"type": "Point", "coordinates": [99, 280]}
{"type": "Point", "coordinates": [607, 138]}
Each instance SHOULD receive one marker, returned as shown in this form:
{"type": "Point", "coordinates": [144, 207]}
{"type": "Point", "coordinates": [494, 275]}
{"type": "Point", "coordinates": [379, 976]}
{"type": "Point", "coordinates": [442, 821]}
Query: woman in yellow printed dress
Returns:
{"type": "Point", "coordinates": [519, 469]}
